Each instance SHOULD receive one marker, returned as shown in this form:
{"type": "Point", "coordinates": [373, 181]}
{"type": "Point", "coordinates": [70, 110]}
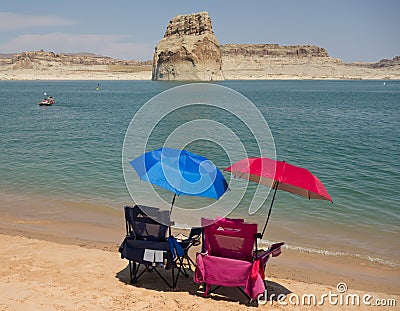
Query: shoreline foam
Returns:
{"type": "Point", "coordinates": [301, 249]}
{"type": "Point", "coordinates": [96, 227]}
{"type": "Point", "coordinates": [40, 213]}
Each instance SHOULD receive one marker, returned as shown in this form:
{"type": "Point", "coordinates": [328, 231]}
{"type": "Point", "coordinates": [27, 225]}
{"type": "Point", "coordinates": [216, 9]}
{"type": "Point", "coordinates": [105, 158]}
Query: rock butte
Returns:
{"type": "Point", "coordinates": [189, 50]}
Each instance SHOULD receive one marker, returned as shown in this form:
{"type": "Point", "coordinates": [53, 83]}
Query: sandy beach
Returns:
{"type": "Point", "coordinates": [62, 263]}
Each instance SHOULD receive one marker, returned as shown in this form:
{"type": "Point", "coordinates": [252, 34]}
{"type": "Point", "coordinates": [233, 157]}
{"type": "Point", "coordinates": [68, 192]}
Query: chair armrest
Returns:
{"type": "Point", "coordinates": [274, 250]}
{"type": "Point", "coordinates": [143, 244]}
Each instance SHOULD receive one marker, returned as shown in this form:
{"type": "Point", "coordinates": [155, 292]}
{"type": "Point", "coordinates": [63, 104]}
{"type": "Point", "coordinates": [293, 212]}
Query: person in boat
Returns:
{"type": "Point", "coordinates": [50, 99]}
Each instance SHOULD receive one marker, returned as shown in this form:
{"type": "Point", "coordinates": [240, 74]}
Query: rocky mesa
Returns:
{"type": "Point", "coordinates": [42, 65]}
{"type": "Point", "coordinates": [271, 50]}
{"type": "Point", "coordinates": [34, 59]}
{"type": "Point", "coordinates": [188, 51]}
{"type": "Point", "coordinates": [273, 61]}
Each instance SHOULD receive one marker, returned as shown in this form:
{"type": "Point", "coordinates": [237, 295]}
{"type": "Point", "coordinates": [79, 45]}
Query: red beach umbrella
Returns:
{"type": "Point", "coordinates": [280, 175]}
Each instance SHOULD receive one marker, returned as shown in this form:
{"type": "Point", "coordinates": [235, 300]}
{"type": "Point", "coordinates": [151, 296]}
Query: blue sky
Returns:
{"type": "Point", "coordinates": [352, 30]}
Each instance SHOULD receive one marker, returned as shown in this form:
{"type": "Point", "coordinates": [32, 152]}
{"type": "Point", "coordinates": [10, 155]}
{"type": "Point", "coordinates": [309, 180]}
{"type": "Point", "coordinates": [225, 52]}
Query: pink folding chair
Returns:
{"type": "Point", "coordinates": [230, 257]}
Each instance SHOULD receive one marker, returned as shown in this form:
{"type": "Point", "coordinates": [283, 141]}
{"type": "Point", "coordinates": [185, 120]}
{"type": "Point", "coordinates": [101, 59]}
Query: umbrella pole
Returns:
{"type": "Point", "coordinates": [170, 213]}
{"type": "Point", "coordinates": [270, 208]}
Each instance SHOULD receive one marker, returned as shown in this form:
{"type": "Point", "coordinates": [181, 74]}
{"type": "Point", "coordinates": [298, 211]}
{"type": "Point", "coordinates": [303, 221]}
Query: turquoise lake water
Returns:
{"type": "Point", "coordinates": [345, 132]}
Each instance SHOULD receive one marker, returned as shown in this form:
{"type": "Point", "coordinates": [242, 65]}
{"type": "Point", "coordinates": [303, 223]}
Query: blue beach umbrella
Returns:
{"type": "Point", "coordinates": [181, 172]}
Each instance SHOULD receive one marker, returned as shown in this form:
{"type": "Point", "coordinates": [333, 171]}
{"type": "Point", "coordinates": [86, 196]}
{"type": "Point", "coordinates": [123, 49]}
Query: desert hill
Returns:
{"type": "Point", "coordinates": [42, 65]}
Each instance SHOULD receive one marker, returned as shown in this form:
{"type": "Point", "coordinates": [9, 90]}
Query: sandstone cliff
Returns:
{"type": "Point", "coordinates": [189, 50]}
{"type": "Point", "coordinates": [34, 59]}
{"type": "Point", "coordinates": [272, 61]}
{"type": "Point", "coordinates": [383, 63]}
{"type": "Point", "coordinates": [41, 65]}
{"type": "Point", "coordinates": [271, 50]}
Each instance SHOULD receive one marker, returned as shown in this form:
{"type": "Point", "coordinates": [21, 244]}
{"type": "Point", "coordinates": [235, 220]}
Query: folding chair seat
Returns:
{"type": "Point", "coordinates": [146, 244]}
{"type": "Point", "coordinates": [230, 257]}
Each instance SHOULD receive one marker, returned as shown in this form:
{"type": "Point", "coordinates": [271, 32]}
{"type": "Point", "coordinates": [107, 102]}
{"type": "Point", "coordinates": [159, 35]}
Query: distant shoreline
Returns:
{"type": "Point", "coordinates": [144, 78]}
{"type": "Point", "coordinates": [43, 66]}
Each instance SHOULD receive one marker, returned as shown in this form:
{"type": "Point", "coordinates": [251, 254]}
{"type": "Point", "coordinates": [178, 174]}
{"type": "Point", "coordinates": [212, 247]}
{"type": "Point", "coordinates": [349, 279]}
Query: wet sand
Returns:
{"type": "Point", "coordinates": [58, 254]}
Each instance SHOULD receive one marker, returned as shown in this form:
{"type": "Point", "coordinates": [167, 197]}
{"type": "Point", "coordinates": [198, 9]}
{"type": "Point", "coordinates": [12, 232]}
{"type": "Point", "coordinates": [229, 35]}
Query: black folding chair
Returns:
{"type": "Point", "coordinates": [194, 239]}
{"type": "Point", "coordinates": [145, 244]}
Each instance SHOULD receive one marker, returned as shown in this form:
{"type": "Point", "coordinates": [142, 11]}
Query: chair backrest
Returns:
{"type": "Point", "coordinates": [229, 238]}
{"type": "Point", "coordinates": [146, 223]}
{"type": "Point", "coordinates": [195, 235]}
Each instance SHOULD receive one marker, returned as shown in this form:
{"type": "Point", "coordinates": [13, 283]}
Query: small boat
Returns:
{"type": "Point", "coordinates": [47, 101]}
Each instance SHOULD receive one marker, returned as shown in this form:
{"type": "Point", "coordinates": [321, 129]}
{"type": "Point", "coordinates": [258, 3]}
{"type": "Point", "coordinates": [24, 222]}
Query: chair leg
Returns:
{"type": "Point", "coordinates": [165, 280]}
{"type": "Point", "coordinates": [244, 293]}
{"type": "Point", "coordinates": [177, 264]}
{"type": "Point", "coordinates": [210, 291]}
{"type": "Point", "coordinates": [186, 256]}
{"type": "Point", "coordinates": [181, 267]}
{"type": "Point", "coordinates": [131, 269]}
{"type": "Point", "coordinates": [173, 278]}
{"type": "Point", "coordinates": [191, 261]}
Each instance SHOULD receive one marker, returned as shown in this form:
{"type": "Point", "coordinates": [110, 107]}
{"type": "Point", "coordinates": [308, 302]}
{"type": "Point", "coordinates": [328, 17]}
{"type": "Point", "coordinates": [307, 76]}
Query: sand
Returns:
{"type": "Point", "coordinates": [42, 275]}
{"type": "Point", "coordinates": [68, 262]}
